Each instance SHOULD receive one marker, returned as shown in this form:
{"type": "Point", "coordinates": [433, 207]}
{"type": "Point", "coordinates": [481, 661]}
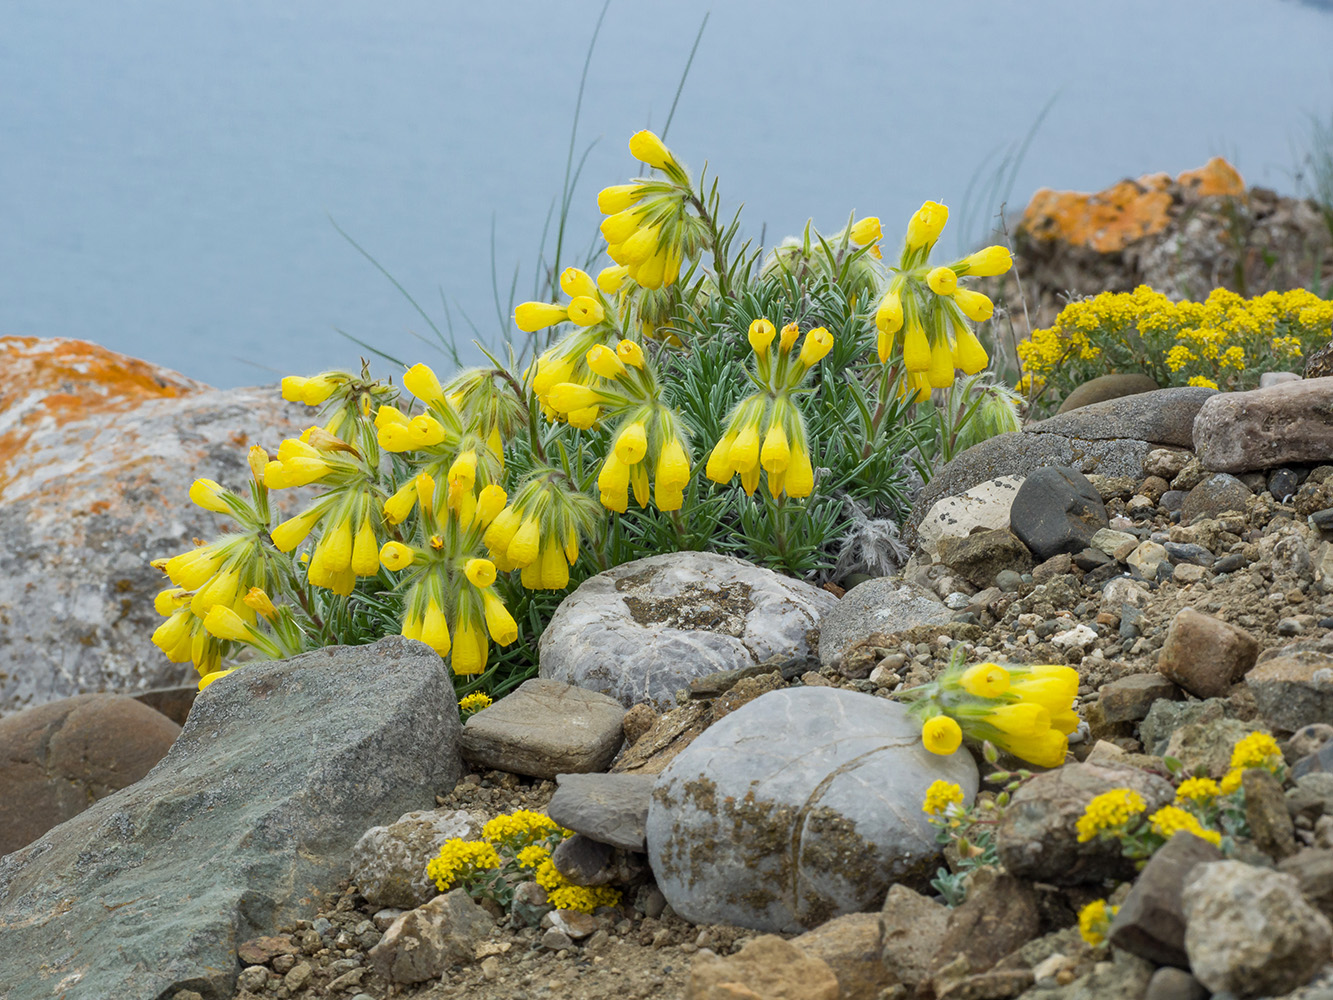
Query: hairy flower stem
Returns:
{"type": "Point", "coordinates": [720, 267]}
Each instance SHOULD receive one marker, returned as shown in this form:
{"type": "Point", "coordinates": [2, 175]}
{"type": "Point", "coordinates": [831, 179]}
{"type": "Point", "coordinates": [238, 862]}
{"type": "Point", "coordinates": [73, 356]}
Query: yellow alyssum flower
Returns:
{"type": "Point", "coordinates": [564, 895]}
{"type": "Point", "coordinates": [941, 735]}
{"type": "Point", "coordinates": [1109, 811]}
{"type": "Point", "coordinates": [1257, 750]}
{"type": "Point", "coordinates": [1171, 820]}
{"type": "Point", "coordinates": [1230, 783]}
{"type": "Point", "coordinates": [1198, 790]}
{"type": "Point", "coordinates": [520, 828]}
{"type": "Point", "coordinates": [474, 702]}
{"type": "Point", "coordinates": [1094, 921]}
{"type": "Point", "coordinates": [458, 859]}
{"type": "Point", "coordinates": [1201, 382]}
{"type": "Point", "coordinates": [939, 796]}
{"type": "Point", "coordinates": [533, 856]}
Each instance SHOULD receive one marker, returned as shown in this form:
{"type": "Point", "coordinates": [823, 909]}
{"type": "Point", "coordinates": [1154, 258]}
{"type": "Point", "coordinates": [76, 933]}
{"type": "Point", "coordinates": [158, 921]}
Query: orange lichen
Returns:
{"type": "Point", "coordinates": [1127, 211]}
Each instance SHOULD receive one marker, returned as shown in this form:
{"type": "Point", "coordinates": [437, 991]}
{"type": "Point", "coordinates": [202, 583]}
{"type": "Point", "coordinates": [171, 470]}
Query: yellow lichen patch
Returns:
{"type": "Point", "coordinates": [1215, 178]}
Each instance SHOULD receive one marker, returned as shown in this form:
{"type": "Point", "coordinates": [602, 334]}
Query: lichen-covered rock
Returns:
{"type": "Point", "coordinates": [782, 833]}
{"type": "Point", "coordinates": [642, 631]}
{"type": "Point", "coordinates": [1293, 686]}
{"type": "Point", "coordinates": [985, 505]}
{"type": "Point", "coordinates": [389, 862]}
{"type": "Point", "coordinates": [877, 607]}
{"type": "Point", "coordinates": [97, 452]}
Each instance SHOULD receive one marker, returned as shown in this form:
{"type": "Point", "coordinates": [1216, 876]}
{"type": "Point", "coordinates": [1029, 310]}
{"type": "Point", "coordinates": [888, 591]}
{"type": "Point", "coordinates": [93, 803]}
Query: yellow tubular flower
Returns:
{"type": "Point", "coordinates": [883, 346]}
{"type": "Point", "coordinates": [499, 622]}
{"type": "Point", "coordinates": [424, 431]}
{"type": "Point", "coordinates": [365, 551]}
{"type": "Point", "coordinates": [216, 675]}
{"type": "Point", "coordinates": [533, 316]}
{"type": "Point", "coordinates": [387, 415]}
{"type": "Point", "coordinates": [293, 387]}
{"type": "Point", "coordinates": [789, 334]}
{"type": "Point", "coordinates": [207, 494]}
{"type": "Point", "coordinates": [585, 418]}
{"type": "Point", "coordinates": [619, 227]}
{"type": "Point", "coordinates": [613, 484]}
{"type": "Point", "coordinates": [259, 601]}
{"type": "Point", "coordinates": [776, 452]}
{"type": "Point", "coordinates": [572, 547]}
{"type": "Point", "coordinates": [761, 336]}
{"type": "Point", "coordinates": [744, 452]}
{"type": "Point", "coordinates": [750, 479]}
{"type": "Point", "coordinates": [396, 556]}
{"type": "Point", "coordinates": [585, 310]}
{"type": "Point", "coordinates": [818, 342]}
{"type": "Point", "coordinates": [925, 226]}
{"type": "Point", "coordinates": [969, 355]}
{"type": "Point", "coordinates": [638, 480]}
{"type": "Point", "coordinates": [335, 548]}
{"type": "Point", "coordinates": [396, 507]}
{"type": "Point", "coordinates": [167, 601]}
{"type": "Point", "coordinates": [941, 735]}
{"type": "Point", "coordinates": [554, 568]}
{"type": "Point", "coordinates": [434, 629]}
{"type": "Point", "coordinates": [942, 281]}
{"type": "Point", "coordinates": [576, 283]}
{"type": "Point", "coordinates": [632, 443]}
{"type": "Point", "coordinates": [673, 464]}
{"type": "Point", "coordinates": [490, 502]}
{"type": "Point", "coordinates": [988, 262]}
{"type": "Point", "coordinates": [421, 382]}
{"type": "Point", "coordinates": [469, 650]}
{"type": "Point", "coordinates": [985, 680]}
{"type": "Point", "coordinates": [173, 636]}
{"type": "Point", "coordinates": [976, 306]}
{"type": "Point", "coordinates": [647, 148]}
{"type": "Point", "coordinates": [222, 589]}
{"type": "Point", "coordinates": [865, 230]}
{"type": "Point", "coordinates": [1045, 749]}
{"type": "Point", "coordinates": [1022, 719]}
{"type": "Point", "coordinates": [641, 246]}
{"type": "Point", "coordinates": [800, 476]}
{"type": "Point", "coordinates": [616, 198]}
{"type": "Point", "coordinates": [605, 362]}
{"type": "Point", "coordinates": [916, 349]}
{"type": "Point", "coordinates": [566, 396]}
{"type": "Point", "coordinates": [411, 625]}
{"type": "Point", "coordinates": [191, 570]}
{"type": "Point", "coordinates": [673, 262]}
{"type": "Point", "coordinates": [610, 279]}
{"type": "Point", "coordinates": [1050, 685]}
{"type": "Point", "coordinates": [630, 353]}
{"type": "Point", "coordinates": [502, 530]}
{"type": "Point", "coordinates": [523, 549]}
{"type": "Point", "coordinates": [889, 313]}
{"type": "Point", "coordinates": [652, 272]}
{"type": "Point", "coordinates": [479, 572]}
{"type": "Point", "coordinates": [222, 622]}
{"type": "Point", "coordinates": [940, 372]}
{"type": "Point", "coordinates": [463, 470]}
{"type": "Point", "coordinates": [718, 467]}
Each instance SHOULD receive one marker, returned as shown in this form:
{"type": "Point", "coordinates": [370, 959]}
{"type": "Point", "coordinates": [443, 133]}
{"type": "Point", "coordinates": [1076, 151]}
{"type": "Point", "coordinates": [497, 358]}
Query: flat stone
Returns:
{"type": "Point", "coordinates": [1151, 920]}
{"type": "Point", "coordinates": [1056, 510]}
{"type": "Point", "coordinates": [544, 728]}
{"type": "Point", "coordinates": [248, 820]}
{"type": "Point", "coordinates": [985, 505]}
{"type": "Point", "coordinates": [783, 834]}
{"type": "Point", "coordinates": [983, 554]}
{"type": "Point", "coordinates": [1169, 983]}
{"type": "Point", "coordinates": [884, 605]}
{"type": "Point", "coordinates": [1213, 497]}
{"type": "Point", "coordinates": [1293, 687]}
{"type": "Point", "coordinates": [1129, 699]}
{"type": "Point", "coordinates": [643, 630]}
{"type": "Point", "coordinates": [1108, 540]}
{"type": "Point", "coordinates": [1264, 428]}
{"type": "Point", "coordinates": [1163, 416]}
{"type": "Point", "coordinates": [768, 968]}
{"type": "Point", "coordinates": [61, 757]}
{"type": "Point", "coordinates": [389, 862]}
{"type": "Point", "coordinates": [1106, 387]}
{"type": "Point", "coordinates": [611, 808]}
{"type": "Point", "coordinates": [1206, 655]}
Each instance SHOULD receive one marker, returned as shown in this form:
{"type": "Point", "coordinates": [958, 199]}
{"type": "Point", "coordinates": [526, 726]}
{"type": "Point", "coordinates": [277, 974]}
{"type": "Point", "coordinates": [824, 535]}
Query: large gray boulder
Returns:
{"type": "Point", "coordinates": [800, 806]}
{"type": "Point", "coordinates": [642, 631]}
{"type": "Point", "coordinates": [97, 453]}
{"type": "Point", "coordinates": [247, 822]}
{"type": "Point", "coordinates": [1163, 416]}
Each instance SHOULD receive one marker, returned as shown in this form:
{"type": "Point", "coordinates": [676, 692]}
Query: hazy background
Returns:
{"type": "Point", "coordinates": [169, 170]}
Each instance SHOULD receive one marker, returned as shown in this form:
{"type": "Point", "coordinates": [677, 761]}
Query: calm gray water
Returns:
{"type": "Point", "coordinates": [169, 170]}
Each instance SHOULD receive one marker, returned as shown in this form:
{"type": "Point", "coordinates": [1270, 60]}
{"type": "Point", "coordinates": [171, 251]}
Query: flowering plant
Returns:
{"type": "Point", "coordinates": [1223, 342]}
{"type": "Point", "coordinates": [456, 511]}
{"type": "Point", "coordinates": [967, 831]}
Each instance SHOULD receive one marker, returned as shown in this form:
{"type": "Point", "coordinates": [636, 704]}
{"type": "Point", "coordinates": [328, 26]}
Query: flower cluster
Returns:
{"type": "Point", "coordinates": [1094, 922]}
{"type": "Point", "coordinates": [766, 430]}
{"type": "Point", "coordinates": [1225, 341]}
{"type": "Point", "coordinates": [514, 848]}
{"type": "Point", "coordinates": [1026, 711]}
{"type": "Point", "coordinates": [932, 310]}
{"type": "Point", "coordinates": [941, 797]}
{"type": "Point", "coordinates": [1257, 750]}
{"type": "Point", "coordinates": [473, 703]}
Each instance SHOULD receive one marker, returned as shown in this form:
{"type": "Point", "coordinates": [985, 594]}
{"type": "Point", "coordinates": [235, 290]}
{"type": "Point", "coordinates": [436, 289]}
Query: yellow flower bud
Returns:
{"type": "Point", "coordinates": [610, 279]}
{"type": "Point", "coordinates": [554, 569]}
{"type": "Point", "coordinates": [222, 622]}
{"type": "Point", "coordinates": [388, 415]}
{"type": "Point", "coordinates": [533, 316]}
{"type": "Point", "coordinates": [469, 650]}
{"type": "Point", "coordinates": [865, 231]}
{"type": "Point", "coordinates": [293, 531]}
{"type": "Point", "coordinates": [883, 346]}
{"type": "Point", "coordinates": [257, 459]}
{"type": "Point", "coordinates": [523, 549]}
{"type": "Point", "coordinates": [776, 452]}
{"type": "Point", "coordinates": [259, 601]}
{"type": "Point", "coordinates": [719, 468]}
{"type": "Point", "coordinates": [800, 476]}
{"type": "Point", "coordinates": [479, 572]}
{"type": "Point", "coordinates": [613, 484]}
{"type": "Point", "coordinates": [421, 382]}
{"type": "Point", "coordinates": [575, 283]}
{"type": "Point", "coordinates": [585, 311]}
{"type": "Point", "coordinates": [365, 550]}
{"type": "Point", "coordinates": [317, 389]}
{"type": "Point", "coordinates": [976, 306]}
{"type": "Point", "coordinates": [335, 548]}
{"type": "Point", "coordinates": [169, 636]}
{"type": "Point", "coordinates": [463, 471]}
{"type": "Point", "coordinates": [566, 396]}
{"type": "Point", "coordinates": [616, 198]}
{"type": "Point", "coordinates": [584, 418]}
{"type": "Point", "coordinates": [942, 280]}
{"type": "Point", "coordinates": [630, 353]}
{"type": "Point", "coordinates": [941, 735]}
{"type": "Point", "coordinates": [744, 453]}
{"type": "Point", "coordinates": [620, 227]}
{"type": "Point", "coordinates": [424, 431]}
{"type": "Point", "coordinates": [605, 362]}
{"type": "Point", "coordinates": [499, 622]}
{"type": "Point", "coordinates": [940, 372]}
{"type": "Point", "coordinates": [652, 272]}
{"type": "Point", "coordinates": [761, 336]}
{"type": "Point", "coordinates": [818, 342]}
{"type": "Point", "coordinates": [985, 680]}
{"type": "Point", "coordinates": [889, 314]}
{"type": "Point", "coordinates": [398, 506]}
{"type": "Point", "coordinates": [647, 148]}
{"type": "Point", "coordinates": [434, 628]}
{"type": "Point", "coordinates": [208, 494]}
{"type": "Point", "coordinates": [501, 531]}
{"type": "Point", "coordinates": [293, 388]}
{"type": "Point", "coordinates": [969, 355]}
{"type": "Point", "coordinates": [425, 485]}
{"type": "Point", "coordinates": [673, 262]}
{"type": "Point", "coordinates": [221, 589]}
{"type": "Point", "coordinates": [632, 443]}
{"type": "Point", "coordinates": [925, 226]}
{"type": "Point", "coordinates": [916, 349]}
{"type": "Point", "coordinates": [641, 246]}
{"type": "Point", "coordinates": [789, 334]}
{"type": "Point", "coordinates": [673, 465]}
{"type": "Point", "coordinates": [572, 547]}
{"type": "Point", "coordinates": [490, 502]}
{"type": "Point", "coordinates": [988, 262]}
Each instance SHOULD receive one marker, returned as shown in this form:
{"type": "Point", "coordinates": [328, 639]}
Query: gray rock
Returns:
{"type": "Point", "coordinates": [1181, 553]}
{"type": "Point", "coordinates": [611, 808]}
{"type": "Point", "coordinates": [1206, 655]}
{"type": "Point", "coordinates": [1056, 510]}
{"type": "Point", "coordinates": [91, 494]}
{"type": "Point", "coordinates": [1166, 463]}
{"type": "Point", "coordinates": [1285, 423]}
{"type": "Point", "coordinates": [1293, 687]}
{"type": "Point", "coordinates": [1125, 977]}
{"type": "Point", "coordinates": [248, 819]}
{"type": "Point", "coordinates": [1165, 717]}
{"type": "Point", "coordinates": [544, 728]}
{"type": "Point", "coordinates": [985, 505]}
{"type": "Point", "coordinates": [1277, 378]}
{"type": "Point", "coordinates": [1249, 930]}
{"type": "Point", "coordinates": [1282, 483]}
{"type": "Point", "coordinates": [1169, 983]}
{"type": "Point", "coordinates": [783, 833]}
{"type": "Point", "coordinates": [1165, 416]}
{"type": "Point", "coordinates": [643, 630]}
{"type": "Point", "coordinates": [884, 605]}
{"type": "Point", "coordinates": [1266, 814]}
{"type": "Point", "coordinates": [1205, 746]}
{"type": "Point", "coordinates": [1213, 497]}
{"type": "Point", "coordinates": [911, 926]}
{"type": "Point", "coordinates": [1037, 837]}
{"type": "Point", "coordinates": [1151, 920]}
{"type": "Point", "coordinates": [423, 943]}
{"type": "Point", "coordinates": [582, 860]}
{"type": "Point", "coordinates": [389, 862]}
{"type": "Point", "coordinates": [1019, 454]}
{"type": "Point", "coordinates": [1106, 387]}
{"type": "Point", "coordinates": [1129, 699]}
{"type": "Point", "coordinates": [983, 554]}
{"type": "Point", "coordinates": [1313, 870]}
{"type": "Point", "coordinates": [61, 757]}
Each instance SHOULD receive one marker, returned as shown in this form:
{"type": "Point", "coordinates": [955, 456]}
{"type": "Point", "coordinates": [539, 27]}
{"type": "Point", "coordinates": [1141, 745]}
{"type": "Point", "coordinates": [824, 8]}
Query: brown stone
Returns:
{"type": "Point", "coordinates": [1264, 428]}
{"type": "Point", "coordinates": [1057, 565]}
{"type": "Point", "coordinates": [263, 950]}
{"type": "Point", "coordinates": [850, 946]}
{"type": "Point", "coordinates": [1293, 686]}
{"type": "Point", "coordinates": [1266, 813]}
{"type": "Point", "coordinates": [1104, 387]}
{"type": "Point", "coordinates": [911, 927]}
{"type": "Point", "coordinates": [1128, 699]}
{"type": "Point", "coordinates": [669, 735]}
{"type": "Point", "coordinates": [1205, 655]}
{"type": "Point", "coordinates": [983, 554]}
{"type": "Point", "coordinates": [1000, 915]}
{"type": "Point", "coordinates": [61, 757]}
{"type": "Point", "coordinates": [768, 968]}
{"type": "Point", "coordinates": [1151, 921]}
{"type": "Point", "coordinates": [638, 720]}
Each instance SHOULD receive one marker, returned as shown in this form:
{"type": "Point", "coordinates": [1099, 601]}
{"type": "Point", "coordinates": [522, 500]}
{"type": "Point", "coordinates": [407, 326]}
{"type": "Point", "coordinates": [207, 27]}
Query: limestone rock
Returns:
{"type": "Point", "coordinates": [884, 605]}
{"type": "Point", "coordinates": [1206, 655]}
{"type": "Point", "coordinates": [911, 927]}
{"type": "Point", "coordinates": [1163, 416]}
{"type": "Point", "coordinates": [1037, 840]}
{"type": "Point", "coordinates": [1263, 428]}
{"type": "Point", "coordinates": [985, 505]}
{"type": "Point", "coordinates": [783, 834]}
{"type": "Point", "coordinates": [1056, 510]}
{"type": "Point", "coordinates": [97, 452]}
{"type": "Point", "coordinates": [424, 942]}
{"type": "Point", "coordinates": [642, 631]}
{"type": "Point", "coordinates": [61, 757]}
{"type": "Point", "coordinates": [849, 945]}
{"type": "Point", "coordinates": [983, 554]}
{"type": "Point", "coordinates": [248, 820]}
{"type": "Point", "coordinates": [1106, 387]}
{"type": "Point", "coordinates": [610, 808]}
{"type": "Point", "coordinates": [1249, 930]}
{"type": "Point", "coordinates": [544, 728]}
{"type": "Point", "coordinates": [389, 862]}
{"type": "Point", "coordinates": [768, 968]}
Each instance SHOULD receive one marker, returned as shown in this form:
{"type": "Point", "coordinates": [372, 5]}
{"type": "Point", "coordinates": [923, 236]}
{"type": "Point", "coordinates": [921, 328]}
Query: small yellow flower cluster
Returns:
{"type": "Point", "coordinates": [459, 860]}
{"type": "Point", "coordinates": [564, 895]}
{"type": "Point", "coordinates": [1094, 922]}
{"type": "Point", "coordinates": [1199, 790]}
{"type": "Point", "coordinates": [1257, 750]}
{"type": "Point", "coordinates": [521, 829]}
{"type": "Point", "coordinates": [473, 703]}
{"type": "Point", "coordinates": [1201, 382]}
{"type": "Point", "coordinates": [1171, 820]}
{"type": "Point", "coordinates": [940, 796]}
{"type": "Point", "coordinates": [1109, 812]}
